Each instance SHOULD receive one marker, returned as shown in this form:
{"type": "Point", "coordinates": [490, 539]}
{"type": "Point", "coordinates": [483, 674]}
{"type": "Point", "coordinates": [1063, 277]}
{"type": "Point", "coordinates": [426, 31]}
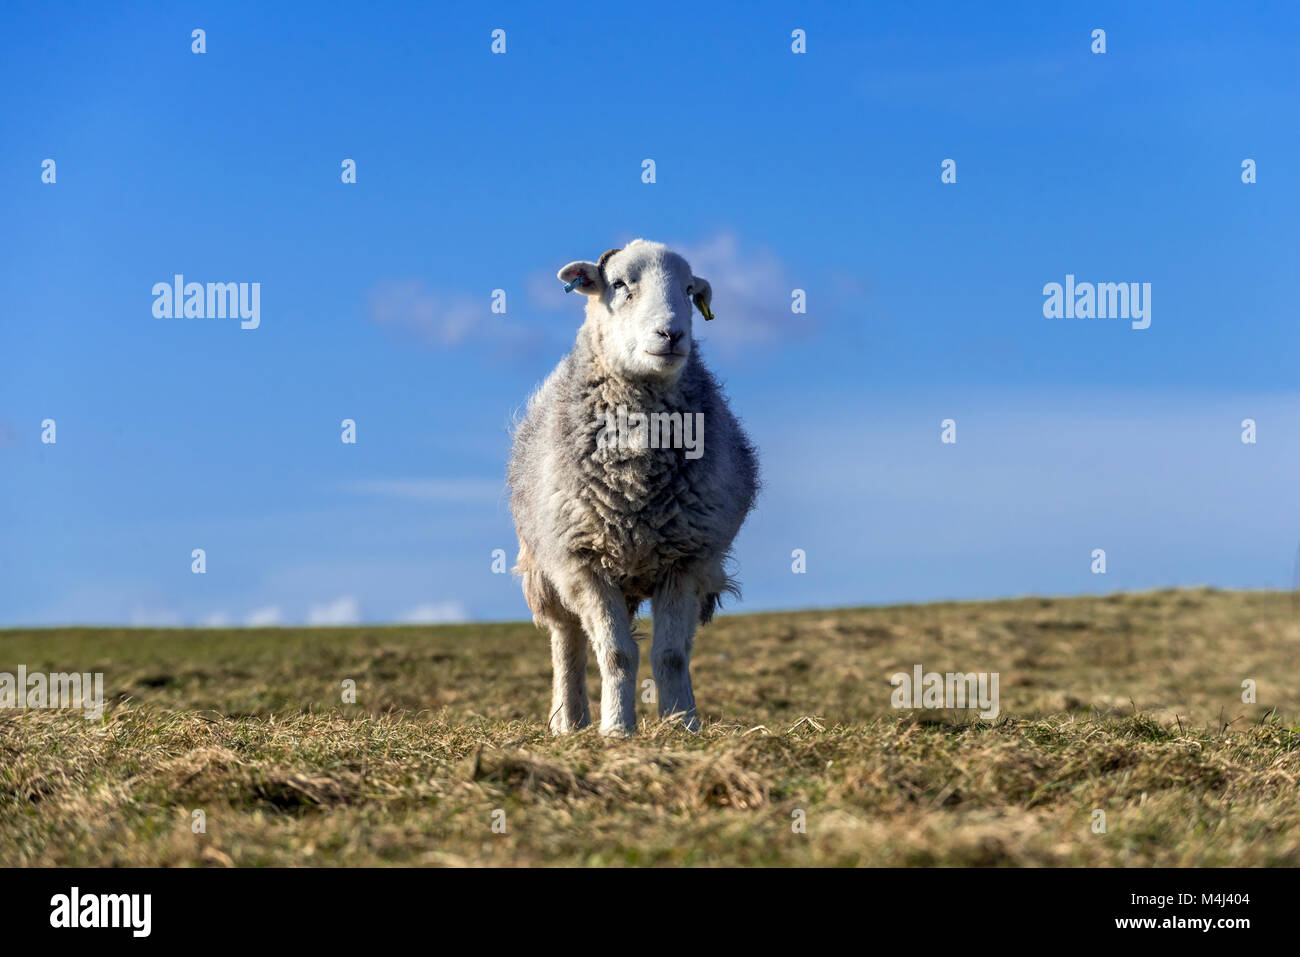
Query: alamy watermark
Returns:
{"type": "Point", "coordinates": [130, 911]}
{"type": "Point", "coordinates": [179, 299]}
{"type": "Point", "coordinates": [1103, 300]}
{"type": "Point", "coordinates": [39, 691]}
{"type": "Point", "coordinates": [622, 429]}
{"type": "Point", "coordinates": [931, 690]}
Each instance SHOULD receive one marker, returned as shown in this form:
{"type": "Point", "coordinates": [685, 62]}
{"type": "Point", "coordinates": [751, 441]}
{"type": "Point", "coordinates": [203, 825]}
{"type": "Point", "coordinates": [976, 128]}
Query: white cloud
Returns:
{"type": "Point", "coordinates": [263, 617]}
{"type": "Point", "coordinates": [409, 305]}
{"type": "Point", "coordinates": [433, 613]}
{"type": "Point", "coordinates": [751, 294]}
{"type": "Point", "coordinates": [443, 321]}
{"type": "Point", "coordinates": [218, 620]}
{"type": "Point", "coordinates": [344, 611]}
{"type": "Point", "coordinates": [452, 491]}
{"type": "Point", "coordinates": [154, 618]}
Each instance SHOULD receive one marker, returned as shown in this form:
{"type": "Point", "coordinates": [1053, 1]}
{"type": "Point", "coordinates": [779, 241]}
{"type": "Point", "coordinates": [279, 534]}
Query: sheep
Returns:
{"type": "Point", "coordinates": [606, 520]}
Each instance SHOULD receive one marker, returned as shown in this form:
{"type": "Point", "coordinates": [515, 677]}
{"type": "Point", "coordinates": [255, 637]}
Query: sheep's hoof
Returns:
{"type": "Point", "coordinates": [616, 732]}
{"type": "Point", "coordinates": [561, 726]}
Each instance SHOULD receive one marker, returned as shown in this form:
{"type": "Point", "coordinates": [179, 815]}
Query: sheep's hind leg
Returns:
{"type": "Point", "coordinates": [675, 608]}
{"type": "Point", "coordinates": [570, 709]}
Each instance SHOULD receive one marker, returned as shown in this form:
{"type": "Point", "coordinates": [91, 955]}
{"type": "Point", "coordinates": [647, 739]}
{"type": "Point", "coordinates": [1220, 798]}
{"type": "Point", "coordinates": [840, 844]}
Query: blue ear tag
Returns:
{"type": "Point", "coordinates": [579, 281]}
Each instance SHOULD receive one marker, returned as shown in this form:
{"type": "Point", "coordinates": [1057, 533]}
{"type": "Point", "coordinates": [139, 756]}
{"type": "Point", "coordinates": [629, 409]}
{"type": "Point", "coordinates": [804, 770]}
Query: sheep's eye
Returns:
{"type": "Point", "coordinates": [619, 284]}
{"type": "Point", "coordinates": [690, 290]}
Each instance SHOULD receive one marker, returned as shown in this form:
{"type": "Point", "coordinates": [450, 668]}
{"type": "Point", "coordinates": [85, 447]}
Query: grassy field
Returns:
{"type": "Point", "coordinates": [1127, 704]}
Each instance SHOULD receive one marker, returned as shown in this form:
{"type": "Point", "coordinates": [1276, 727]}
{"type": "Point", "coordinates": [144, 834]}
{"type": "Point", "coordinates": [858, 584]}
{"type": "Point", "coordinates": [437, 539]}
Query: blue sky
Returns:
{"type": "Point", "coordinates": [775, 171]}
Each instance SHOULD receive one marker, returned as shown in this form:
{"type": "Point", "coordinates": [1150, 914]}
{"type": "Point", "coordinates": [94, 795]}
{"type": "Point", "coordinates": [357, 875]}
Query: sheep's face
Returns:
{"type": "Point", "coordinates": [640, 306]}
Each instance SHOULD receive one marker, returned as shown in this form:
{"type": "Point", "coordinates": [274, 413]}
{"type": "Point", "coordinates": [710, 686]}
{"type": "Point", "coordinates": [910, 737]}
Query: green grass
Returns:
{"type": "Point", "coordinates": [1128, 704]}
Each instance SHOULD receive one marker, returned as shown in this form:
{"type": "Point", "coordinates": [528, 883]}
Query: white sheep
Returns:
{"type": "Point", "coordinates": [610, 510]}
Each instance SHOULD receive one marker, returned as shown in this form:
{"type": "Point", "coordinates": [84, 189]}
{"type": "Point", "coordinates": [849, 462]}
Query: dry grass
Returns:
{"type": "Point", "coordinates": [1128, 704]}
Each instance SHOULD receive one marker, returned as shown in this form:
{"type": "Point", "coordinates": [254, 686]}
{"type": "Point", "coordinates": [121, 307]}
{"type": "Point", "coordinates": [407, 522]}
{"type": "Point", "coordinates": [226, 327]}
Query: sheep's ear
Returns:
{"type": "Point", "coordinates": [703, 296]}
{"type": "Point", "coordinates": [584, 277]}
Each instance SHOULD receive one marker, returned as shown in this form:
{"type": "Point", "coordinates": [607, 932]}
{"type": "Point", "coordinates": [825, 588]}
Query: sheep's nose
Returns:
{"type": "Point", "coordinates": [672, 337]}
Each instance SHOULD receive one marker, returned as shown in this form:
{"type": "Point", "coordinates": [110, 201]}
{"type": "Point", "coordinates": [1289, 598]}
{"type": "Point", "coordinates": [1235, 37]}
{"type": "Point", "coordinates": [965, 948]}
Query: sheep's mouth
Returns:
{"type": "Point", "coordinates": [665, 355]}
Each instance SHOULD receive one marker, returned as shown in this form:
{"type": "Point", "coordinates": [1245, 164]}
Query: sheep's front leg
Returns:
{"type": "Point", "coordinates": [605, 618]}
{"type": "Point", "coordinates": [675, 607]}
{"type": "Point", "coordinates": [569, 706]}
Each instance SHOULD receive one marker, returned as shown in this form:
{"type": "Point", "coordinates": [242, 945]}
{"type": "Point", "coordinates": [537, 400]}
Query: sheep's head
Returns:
{"type": "Point", "coordinates": [640, 307]}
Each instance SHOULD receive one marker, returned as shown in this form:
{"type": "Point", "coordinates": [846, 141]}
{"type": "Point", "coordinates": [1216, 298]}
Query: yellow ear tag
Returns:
{"type": "Point", "coordinates": [703, 307]}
